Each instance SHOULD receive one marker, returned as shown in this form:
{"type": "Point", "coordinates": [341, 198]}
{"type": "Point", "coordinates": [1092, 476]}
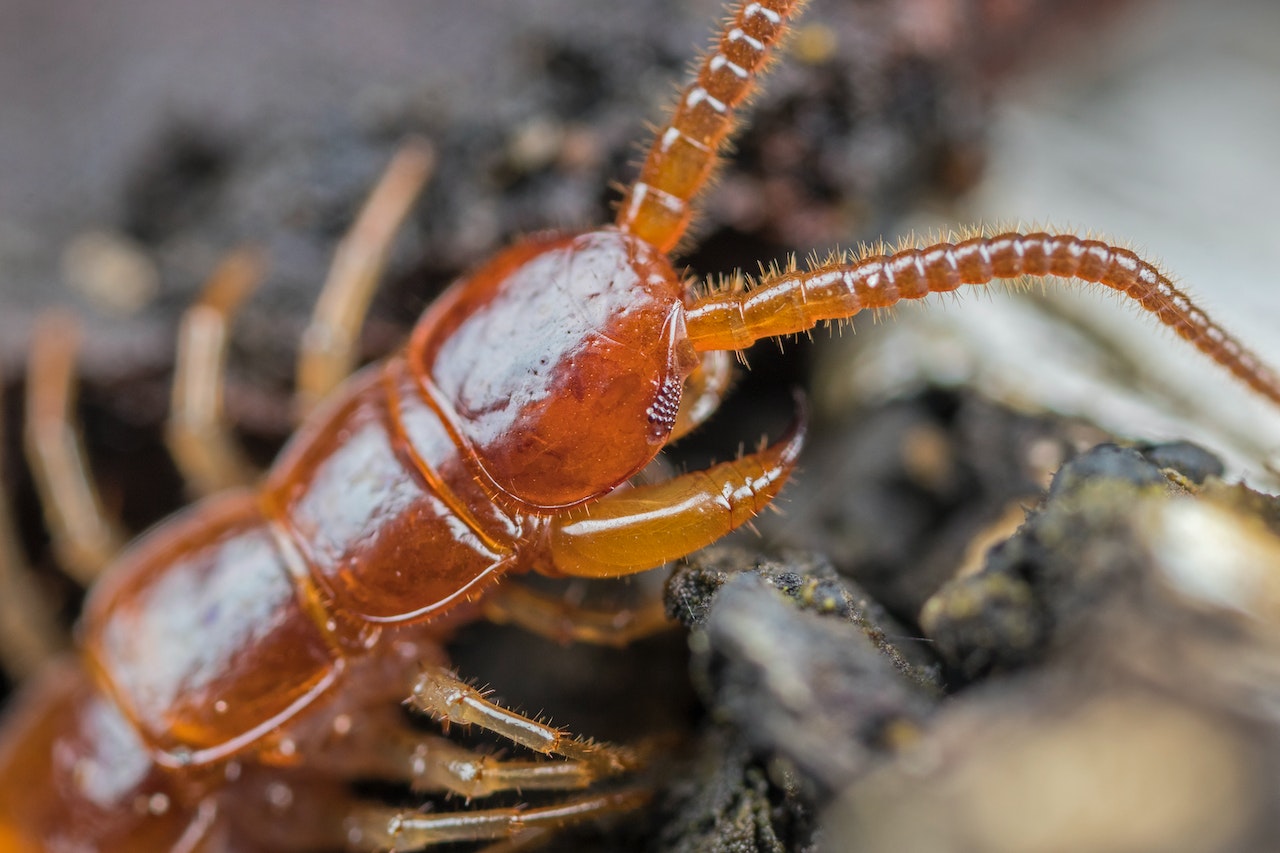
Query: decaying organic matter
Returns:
{"type": "Point", "coordinates": [1104, 678]}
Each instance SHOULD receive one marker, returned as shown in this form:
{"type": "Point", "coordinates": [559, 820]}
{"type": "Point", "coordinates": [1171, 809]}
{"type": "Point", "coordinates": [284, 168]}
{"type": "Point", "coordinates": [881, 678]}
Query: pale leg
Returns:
{"type": "Point", "coordinates": [84, 538]}
{"type": "Point", "coordinates": [562, 621]}
{"type": "Point", "coordinates": [198, 435]}
{"type": "Point", "coordinates": [328, 352]}
{"type": "Point", "coordinates": [29, 633]}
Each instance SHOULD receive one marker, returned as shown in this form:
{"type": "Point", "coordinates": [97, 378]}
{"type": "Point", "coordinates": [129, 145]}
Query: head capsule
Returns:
{"type": "Point", "coordinates": [560, 363]}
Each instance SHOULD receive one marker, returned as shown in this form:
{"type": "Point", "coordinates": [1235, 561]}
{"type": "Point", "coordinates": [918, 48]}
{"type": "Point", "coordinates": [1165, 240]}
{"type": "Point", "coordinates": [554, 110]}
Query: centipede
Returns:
{"type": "Point", "coordinates": [265, 638]}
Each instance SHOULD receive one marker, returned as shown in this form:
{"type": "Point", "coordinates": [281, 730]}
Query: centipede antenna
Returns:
{"type": "Point", "coordinates": [786, 302]}
{"type": "Point", "coordinates": [658, 207]}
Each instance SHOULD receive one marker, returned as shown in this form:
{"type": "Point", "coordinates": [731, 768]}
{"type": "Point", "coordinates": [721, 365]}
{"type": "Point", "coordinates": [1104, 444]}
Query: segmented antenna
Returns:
{"type": "Point", "coordinates": [658, 206]}
{"type": "Point", "coordinates": [787, 301]}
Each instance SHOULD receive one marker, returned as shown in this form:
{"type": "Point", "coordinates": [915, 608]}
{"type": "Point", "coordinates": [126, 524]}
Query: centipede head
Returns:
{"type": "Point", "coordinates": [562, 361]}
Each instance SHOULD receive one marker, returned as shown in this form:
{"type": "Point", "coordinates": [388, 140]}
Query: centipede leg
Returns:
{"type": "Point", "coordinates": [448, 699]}
{"type": "Point", "coordinates": [556, 619]}
{"type": "Point", "coordinates": [84, 538]}
{"type": "Point", "coordinates": [374, 828]}
{"type": "Point", "coordinates": [523, 841]}
{"type": "Point", "coordinates": [300, 810]}
{"type": "Point", "coordinates": [384, 746]}
{"type": "Point", "coordinates": [328, 351]}
{"type": "Point", "coordinates": [197, 433]}
{"type": "Point", "coordinates": [29, 633]}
